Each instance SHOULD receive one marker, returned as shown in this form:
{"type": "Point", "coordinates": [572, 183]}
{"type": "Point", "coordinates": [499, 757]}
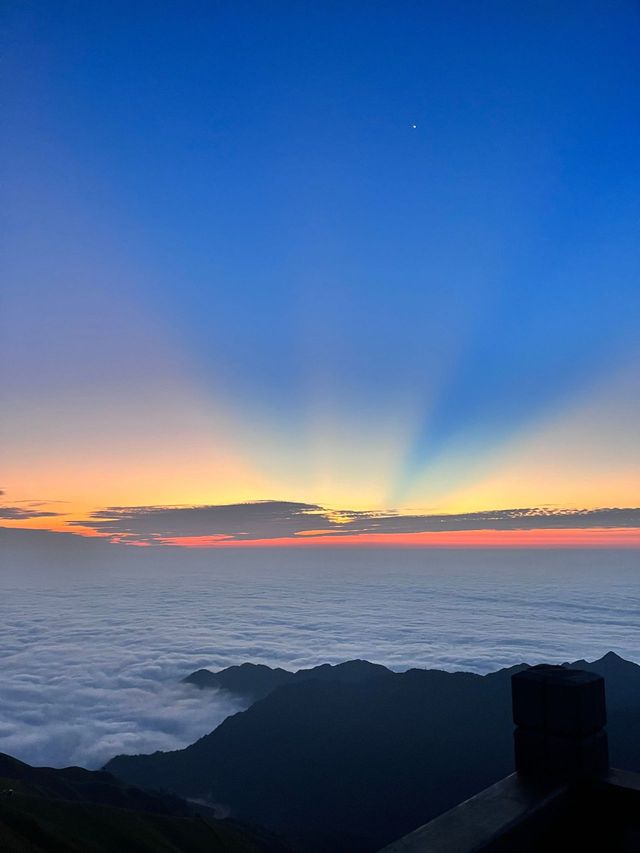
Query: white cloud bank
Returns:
{"type": "Point", "coordinates": [81, 703]}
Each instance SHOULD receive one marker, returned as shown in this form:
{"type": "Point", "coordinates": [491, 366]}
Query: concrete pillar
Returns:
{"type": "Point", "coordinates": [560, 716]}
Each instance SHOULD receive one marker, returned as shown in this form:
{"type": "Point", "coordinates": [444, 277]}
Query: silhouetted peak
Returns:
{"type": "Point", "coordinates": [608, 661]}
{"type": "Point", "coordinates": [351, 672]}
{"type": "Point", "coordinates": [255, 681]}
{"type": "Point", "coordinates": [612, 657]}
{"type": "Point", "coordinates": [248, 681]}
{"type": "Point", "coordinates": [198, 673]}
{"type": "Point", "coordinates": [353, 669]}
{"type": "Point", "coordinates": [508, 671]}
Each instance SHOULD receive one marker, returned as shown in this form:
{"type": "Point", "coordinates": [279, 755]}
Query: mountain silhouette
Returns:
{"type": "Point", "coordinates": [349, 763]}
{"type": "Point", "coordinates": [255, 681]}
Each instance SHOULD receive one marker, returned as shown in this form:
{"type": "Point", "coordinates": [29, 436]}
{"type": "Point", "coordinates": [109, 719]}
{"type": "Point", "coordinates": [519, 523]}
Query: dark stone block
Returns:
{"type": "Point", "coordinates": [541, 754]}
{"type": "Point", "coordinates": [559, 701]}
{"type": "Point", "coordinates": [528, 696]}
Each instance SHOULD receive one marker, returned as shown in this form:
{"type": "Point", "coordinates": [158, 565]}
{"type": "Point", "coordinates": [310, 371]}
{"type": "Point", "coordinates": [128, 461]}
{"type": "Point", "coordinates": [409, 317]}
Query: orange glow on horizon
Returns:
{"type": "Point", "coordinates": [559, 538]}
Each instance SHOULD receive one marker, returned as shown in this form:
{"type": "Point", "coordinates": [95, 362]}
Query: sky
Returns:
{"type": "Point", "coordinates": [295, 273]}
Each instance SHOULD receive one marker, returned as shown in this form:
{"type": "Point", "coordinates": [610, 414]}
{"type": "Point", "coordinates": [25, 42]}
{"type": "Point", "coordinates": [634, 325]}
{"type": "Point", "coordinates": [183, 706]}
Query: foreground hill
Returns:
{"type": "Point", "coordinates": [349, 764]}
{"type": "Point", "coordinates": [81, 811]}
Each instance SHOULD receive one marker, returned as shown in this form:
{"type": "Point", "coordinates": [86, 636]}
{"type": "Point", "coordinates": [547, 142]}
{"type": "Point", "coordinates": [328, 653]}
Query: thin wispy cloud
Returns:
{"type": "Point", "coordinates": [20, 513]}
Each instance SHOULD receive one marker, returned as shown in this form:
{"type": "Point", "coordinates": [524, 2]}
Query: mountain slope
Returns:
{"type": "Point", "coordinates": [81, 811]}
{"type": "Point", "coordinates": [346, 766]}
{"type": "Point", "coordinates": [349, 766]}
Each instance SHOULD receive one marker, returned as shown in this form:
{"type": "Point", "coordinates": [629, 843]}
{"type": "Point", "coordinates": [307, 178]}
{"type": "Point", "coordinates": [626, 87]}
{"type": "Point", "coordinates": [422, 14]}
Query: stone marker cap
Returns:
{"type": "Point", "coordinates": [558, 701]}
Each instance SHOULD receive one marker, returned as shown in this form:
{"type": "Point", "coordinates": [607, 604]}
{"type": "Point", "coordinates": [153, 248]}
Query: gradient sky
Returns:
{"type": "Point", "coordinates": [377, 256]}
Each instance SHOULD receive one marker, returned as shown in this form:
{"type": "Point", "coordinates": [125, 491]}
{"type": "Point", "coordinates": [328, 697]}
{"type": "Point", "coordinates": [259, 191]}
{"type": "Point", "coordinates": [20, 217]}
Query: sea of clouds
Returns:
{"type": "Point", "coordinates": [93, 651]}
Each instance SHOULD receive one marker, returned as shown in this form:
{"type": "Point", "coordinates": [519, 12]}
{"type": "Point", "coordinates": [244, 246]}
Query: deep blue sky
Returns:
{"type": "Point", "coordinates": [258, 162]}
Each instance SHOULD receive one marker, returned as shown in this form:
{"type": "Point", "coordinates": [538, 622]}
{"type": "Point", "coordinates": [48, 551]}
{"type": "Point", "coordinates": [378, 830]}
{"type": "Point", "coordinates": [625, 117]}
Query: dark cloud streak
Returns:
{"type": "Point", "coordinates": [18, 513]}
{"type": "Point", "coordinates": [266, 520]}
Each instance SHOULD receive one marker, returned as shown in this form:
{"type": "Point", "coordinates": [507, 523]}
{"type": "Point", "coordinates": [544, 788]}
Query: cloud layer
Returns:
{"type": "Point", "coordinates": [81, 683]}
{"type": "Point", "coordinates": [267, 520]}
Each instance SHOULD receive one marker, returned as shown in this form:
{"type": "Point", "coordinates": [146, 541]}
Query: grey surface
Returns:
{"type": "Point", "coordinates": [474, 823]}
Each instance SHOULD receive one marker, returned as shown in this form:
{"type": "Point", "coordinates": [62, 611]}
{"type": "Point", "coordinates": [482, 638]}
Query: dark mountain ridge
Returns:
{"type": "Point", "coordinates": [349, 757]}
{"type": "Point", "coordinates": [253, 681]}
